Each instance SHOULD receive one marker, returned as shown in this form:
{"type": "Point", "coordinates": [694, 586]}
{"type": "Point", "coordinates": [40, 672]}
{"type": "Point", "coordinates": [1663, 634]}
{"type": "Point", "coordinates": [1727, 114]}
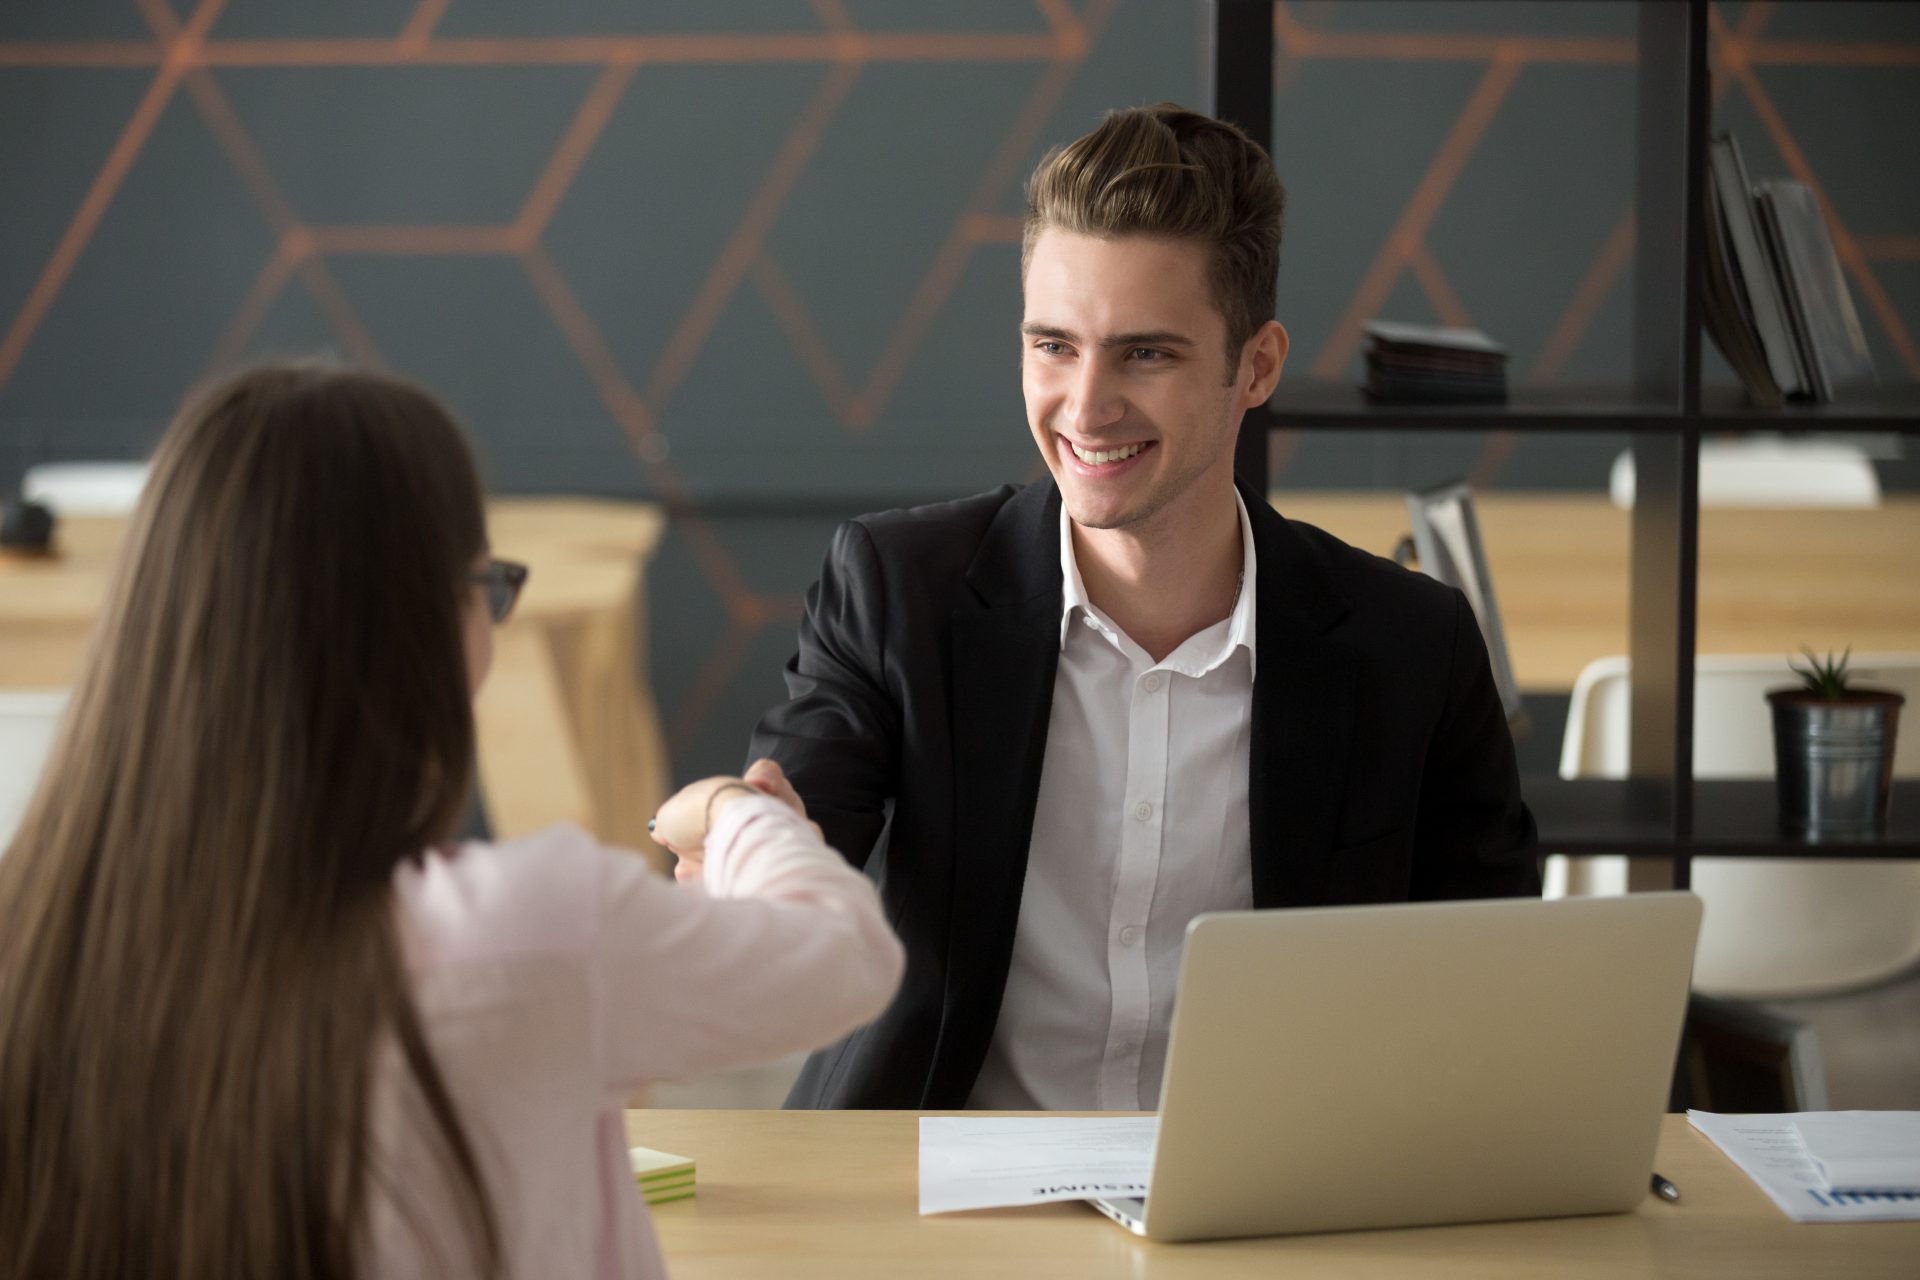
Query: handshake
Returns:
{"type": "Point", "coordinates": [682, 824]}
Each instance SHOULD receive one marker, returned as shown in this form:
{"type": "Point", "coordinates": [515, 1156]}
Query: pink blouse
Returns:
{"type": "Point", "coordinates": [556, 977]}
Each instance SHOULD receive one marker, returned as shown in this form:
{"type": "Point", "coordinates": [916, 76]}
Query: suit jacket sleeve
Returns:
{"type": "Point", "coordinates": [838, 735]}
{"type": "Point", "coordinates": [1475, 835]}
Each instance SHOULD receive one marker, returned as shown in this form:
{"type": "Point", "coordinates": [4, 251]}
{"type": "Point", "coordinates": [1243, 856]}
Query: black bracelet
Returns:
{"type": "Point", "coordinates": [724, 787]}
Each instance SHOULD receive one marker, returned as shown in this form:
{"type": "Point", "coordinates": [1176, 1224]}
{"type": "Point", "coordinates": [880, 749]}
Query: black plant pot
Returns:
{"type": "Point", "coordinates": [1833, 761]}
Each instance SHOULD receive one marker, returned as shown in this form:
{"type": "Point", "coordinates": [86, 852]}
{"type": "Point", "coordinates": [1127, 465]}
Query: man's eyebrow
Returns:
{"type": "Point", "coordinates": [1144, 338]}
{"type": "Point", "coordinates": [1149, 338]}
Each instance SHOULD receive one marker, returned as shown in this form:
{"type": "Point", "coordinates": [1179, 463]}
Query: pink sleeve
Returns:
{"type": "Point", "coordinates": [785, 948]}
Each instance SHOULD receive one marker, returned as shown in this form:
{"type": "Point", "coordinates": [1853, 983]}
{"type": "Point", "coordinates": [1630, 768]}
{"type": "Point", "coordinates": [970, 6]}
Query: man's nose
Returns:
{"type": "Point", "coordinates": [1092, 400]}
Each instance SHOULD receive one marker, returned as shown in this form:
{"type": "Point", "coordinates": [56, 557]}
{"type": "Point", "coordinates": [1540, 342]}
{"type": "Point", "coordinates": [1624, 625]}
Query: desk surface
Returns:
{"type": "Point", "coordinates": [834, 1194]}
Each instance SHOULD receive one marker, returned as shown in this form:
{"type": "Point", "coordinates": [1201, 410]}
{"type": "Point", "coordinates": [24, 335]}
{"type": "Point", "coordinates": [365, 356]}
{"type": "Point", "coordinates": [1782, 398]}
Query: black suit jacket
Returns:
{"type": "Point", "coordinates": [1381, 765]}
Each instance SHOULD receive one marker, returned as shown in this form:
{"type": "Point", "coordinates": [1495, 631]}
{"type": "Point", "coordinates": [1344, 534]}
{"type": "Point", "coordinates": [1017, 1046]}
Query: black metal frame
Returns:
{"type": "Point", "coordinates": [1672, 85]}
{"type": "Point", "coordinates": [1661, 816]}
{"type": "Point", "coordinates": [1241, 62]}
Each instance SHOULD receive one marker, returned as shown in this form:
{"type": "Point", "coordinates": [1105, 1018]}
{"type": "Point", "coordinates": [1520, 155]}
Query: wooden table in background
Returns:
{"type": "Point", "coordinates": [803, 1194]}
{"type": "Point", "coordinates": [568, 730]}
{"type": "Point", "coordinates": [1770, 580]}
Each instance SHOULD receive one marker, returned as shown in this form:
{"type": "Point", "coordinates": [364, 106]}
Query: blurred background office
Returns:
{"type": "Point", "coordinates": [740, 269]}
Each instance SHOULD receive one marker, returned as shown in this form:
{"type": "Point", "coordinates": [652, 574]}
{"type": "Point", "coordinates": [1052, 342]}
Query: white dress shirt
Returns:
{"type": "Point", "coordinates": [1141, 825]}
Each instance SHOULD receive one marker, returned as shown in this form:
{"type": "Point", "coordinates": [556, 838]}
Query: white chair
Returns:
{"type": "Point", "coordinates": [1773, 927]}
{"type": "Point", "coordinates": [28, 722]}
{"type": "Point", "coordinates": [1771, 473]}
{"type": "Point", "coordinates": [85, 488]}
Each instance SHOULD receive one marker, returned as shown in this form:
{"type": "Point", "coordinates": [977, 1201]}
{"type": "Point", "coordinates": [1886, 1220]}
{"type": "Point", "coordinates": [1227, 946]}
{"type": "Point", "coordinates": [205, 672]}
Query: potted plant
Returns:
{"type": "Point", "coordinates": [1833, 750]}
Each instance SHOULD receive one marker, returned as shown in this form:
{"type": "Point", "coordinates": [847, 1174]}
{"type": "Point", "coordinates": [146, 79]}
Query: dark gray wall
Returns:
{"type": "Point", "coordinates": [759, 257]}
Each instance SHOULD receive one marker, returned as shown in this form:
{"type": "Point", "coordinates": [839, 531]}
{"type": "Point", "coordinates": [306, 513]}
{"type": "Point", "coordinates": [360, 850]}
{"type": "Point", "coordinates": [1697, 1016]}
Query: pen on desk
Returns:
{"type": "Point", "coordinates": [1664, 1189]}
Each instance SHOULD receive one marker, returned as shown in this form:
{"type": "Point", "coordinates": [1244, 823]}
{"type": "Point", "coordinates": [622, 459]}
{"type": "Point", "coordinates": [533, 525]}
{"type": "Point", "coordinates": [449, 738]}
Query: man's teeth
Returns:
{"type": "Point", "coordinates": [1093, 457]}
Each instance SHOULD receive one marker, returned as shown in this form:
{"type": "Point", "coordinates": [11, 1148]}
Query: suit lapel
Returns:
{"type": "Point", "coordinates": [1006, 649]}
{"type": "Point", "coordinates": [1303, 702]}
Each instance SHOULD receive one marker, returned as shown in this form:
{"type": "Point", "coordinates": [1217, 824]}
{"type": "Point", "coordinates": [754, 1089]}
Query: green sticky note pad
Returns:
{"type": "Point", "coordinates": [650, 1166]}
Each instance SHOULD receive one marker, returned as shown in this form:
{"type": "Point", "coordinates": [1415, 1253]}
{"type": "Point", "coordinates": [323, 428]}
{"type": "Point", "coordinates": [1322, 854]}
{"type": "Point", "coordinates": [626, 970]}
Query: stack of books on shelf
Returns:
{"type": "Point", "coordinates": [1431, 364]}
{"type": "Point", "coordinates": [1776, 303]}
{"type": "Point", "coordinates": [663, 1178]}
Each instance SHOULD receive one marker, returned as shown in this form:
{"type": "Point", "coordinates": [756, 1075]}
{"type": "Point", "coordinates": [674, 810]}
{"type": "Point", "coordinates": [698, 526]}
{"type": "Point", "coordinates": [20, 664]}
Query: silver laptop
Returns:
{"type": "Point", "coordinates": [1354, 1067]}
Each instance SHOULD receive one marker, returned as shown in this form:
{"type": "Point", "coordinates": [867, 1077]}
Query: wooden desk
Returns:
{"type": "Point", "coordinates": [834, 1194]}
{"type": "Point", "coordinates": [568, 731]}
{"type": "Point", "coordinates": [1770, 580]}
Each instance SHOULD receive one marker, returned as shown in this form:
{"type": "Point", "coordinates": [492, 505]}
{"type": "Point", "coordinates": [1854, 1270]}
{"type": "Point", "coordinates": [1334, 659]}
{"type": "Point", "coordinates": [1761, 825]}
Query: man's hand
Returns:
{"type": "Point", "coordinates": [767, 775]}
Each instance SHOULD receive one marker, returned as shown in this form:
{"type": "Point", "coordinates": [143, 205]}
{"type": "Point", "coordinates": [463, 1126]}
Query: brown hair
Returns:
{"type": "Point", "coordinates": [1170, 173]}
{"type": "Point", "coordinates": [200, 965]}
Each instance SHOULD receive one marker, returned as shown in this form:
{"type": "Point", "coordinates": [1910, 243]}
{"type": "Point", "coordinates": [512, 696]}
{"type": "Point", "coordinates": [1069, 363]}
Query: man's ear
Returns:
{"type": "Point", "coordinates": [1260, 362]}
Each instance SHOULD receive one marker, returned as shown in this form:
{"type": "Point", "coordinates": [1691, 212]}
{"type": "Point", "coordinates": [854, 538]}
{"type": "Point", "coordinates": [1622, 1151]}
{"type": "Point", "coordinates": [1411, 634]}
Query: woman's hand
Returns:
{"type": "Point", "coordinates": [684, 820]}
{"type": "Point", "coordinates": [682, 824]}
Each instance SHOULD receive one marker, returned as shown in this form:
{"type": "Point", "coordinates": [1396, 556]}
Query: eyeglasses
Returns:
{"type": "Point", "coordinates": [503, 580]}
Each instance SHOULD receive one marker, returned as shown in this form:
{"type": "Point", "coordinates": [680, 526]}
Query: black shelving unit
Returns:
{"type": "Point", "coordinates": [1730, 818]}
{"type": "Point", "coordinates": [1661, 812]}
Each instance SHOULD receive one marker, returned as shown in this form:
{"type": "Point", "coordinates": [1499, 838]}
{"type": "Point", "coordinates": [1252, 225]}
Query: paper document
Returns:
{"type": "Point", "coordinates": [1768, 1149]}
{"type": "Point", "coordinates": [1864, 1150]}
{"type": "Point", "coordinates": [989, 1163]}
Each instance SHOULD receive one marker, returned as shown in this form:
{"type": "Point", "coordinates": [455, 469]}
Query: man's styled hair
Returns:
{"type": "Point", "coordinates": [1170, 173]}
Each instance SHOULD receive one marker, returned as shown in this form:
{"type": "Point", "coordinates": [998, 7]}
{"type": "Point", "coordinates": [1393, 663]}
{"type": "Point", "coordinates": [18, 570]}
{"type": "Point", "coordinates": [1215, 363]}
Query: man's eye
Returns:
{"type": "Point", "coordinates": [1050, 348]}
{"type": "Point", "coordinates": [1150, 355]}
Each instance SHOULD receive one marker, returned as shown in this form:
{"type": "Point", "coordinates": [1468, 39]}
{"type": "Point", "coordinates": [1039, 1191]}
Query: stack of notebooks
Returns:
{"type": "Point", "coordinates": [1776, 303]}
{"type": "Point", "coordinates": [1430, 364]}
{"type": "Point", "coordinates": [663, 1178]}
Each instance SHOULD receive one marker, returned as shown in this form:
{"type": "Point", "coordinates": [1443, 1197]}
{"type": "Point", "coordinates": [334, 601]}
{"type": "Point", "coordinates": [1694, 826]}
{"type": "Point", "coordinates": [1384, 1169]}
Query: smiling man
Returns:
{"type": "Point", "coordinates": [1056, 722]}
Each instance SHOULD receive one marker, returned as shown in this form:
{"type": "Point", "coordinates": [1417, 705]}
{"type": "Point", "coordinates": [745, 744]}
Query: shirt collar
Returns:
{"type": "Point", "coordinates": [1240, 626]}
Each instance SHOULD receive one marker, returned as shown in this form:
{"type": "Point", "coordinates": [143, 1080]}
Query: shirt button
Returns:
{"type": "Point", "coordinates": [1129, 936]}
{"type": "Point", "coordinates": [1143, 811]}
{"type": "Point", "coordinates": [1152, 683]}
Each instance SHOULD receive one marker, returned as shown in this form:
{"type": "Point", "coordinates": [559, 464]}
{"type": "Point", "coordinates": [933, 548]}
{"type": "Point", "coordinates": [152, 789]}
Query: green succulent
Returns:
{"type": "Point", "coordinates": [1824, 678]}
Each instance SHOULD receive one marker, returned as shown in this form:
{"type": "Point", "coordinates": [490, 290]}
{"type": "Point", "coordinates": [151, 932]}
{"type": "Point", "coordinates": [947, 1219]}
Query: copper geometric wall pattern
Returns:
{"type": "Point", "coordinates": [759, 259]}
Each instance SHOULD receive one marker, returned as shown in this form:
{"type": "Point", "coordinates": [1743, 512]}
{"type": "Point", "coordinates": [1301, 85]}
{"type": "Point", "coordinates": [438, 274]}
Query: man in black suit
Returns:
{"type": "Point", "coordinates": [1055, 722]}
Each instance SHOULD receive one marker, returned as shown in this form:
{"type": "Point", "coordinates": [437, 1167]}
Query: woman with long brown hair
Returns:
{"type": "Point", "coordinates": [257, 1017]}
